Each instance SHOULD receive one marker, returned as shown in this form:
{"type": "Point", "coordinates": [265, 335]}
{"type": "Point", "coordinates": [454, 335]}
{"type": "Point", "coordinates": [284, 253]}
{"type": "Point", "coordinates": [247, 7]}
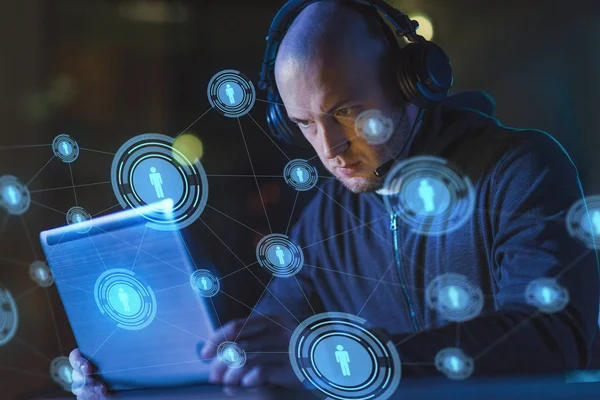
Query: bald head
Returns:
{"type": "Point", "coordinates": [333, 33]}
{"type": "Point", "coordinates": [334, 63]}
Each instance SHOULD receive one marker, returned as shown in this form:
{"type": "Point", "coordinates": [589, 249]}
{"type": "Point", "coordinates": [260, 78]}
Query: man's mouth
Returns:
{"type": "Point", "coordinates": [349, 169]}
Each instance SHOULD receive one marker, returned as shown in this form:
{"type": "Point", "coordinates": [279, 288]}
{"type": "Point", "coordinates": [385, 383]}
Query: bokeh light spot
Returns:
{"type": "Point", "coordinates": [190, 146]}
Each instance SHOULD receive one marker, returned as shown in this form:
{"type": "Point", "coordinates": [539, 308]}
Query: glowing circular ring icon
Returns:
{"type": "Point", "coordinates": [125, 299]}
{"type": "Point", "coordinates": [80, 218]}
{"type": "Point", "coordinates": [336, 354]}
{"type": "Point", "coordinates": [231, 93]}
{"type": "Point", "coordinates": [547, 295]}
{"type": "Point", "coordinates": [300, 175]}
{"type": "Point", "coordinates": [40, 273]}
{"type": "Point", "coordinates": [428, 195]}
{"type": "Point", "coordinates": [277, 254]}
{"type": "Point", "coordinates": [14, 196]}
{"type": "Point", "coordinates": [232, 355]}
{"type": "Point", "coordinates": [9, 316]}
{"type": "Point", "coordinates": [454, 297]}
{"type": "Point", "coordinates": [583, 221]}
{"type": "Point", "coordinates": [147, 169]}
{"type": "Point", "coordinates": [62, 372]}
{"type": "Point", "coordinates": [454, 363]}
{"type": "Point", "coordinates": [205, 283]}
{"type": "Point", "coordinates": [374, 126]}
{"type": "Point", "coordinates": [65, 148]}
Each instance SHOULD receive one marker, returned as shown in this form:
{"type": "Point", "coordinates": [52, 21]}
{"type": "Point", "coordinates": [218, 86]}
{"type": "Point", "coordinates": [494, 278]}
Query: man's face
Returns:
{"type": "Point", "coordinates": [324, 99]}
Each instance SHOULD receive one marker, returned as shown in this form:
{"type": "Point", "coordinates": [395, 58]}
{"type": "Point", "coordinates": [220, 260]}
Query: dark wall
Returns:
{"type": "Point", "coordinates": [91, 70]}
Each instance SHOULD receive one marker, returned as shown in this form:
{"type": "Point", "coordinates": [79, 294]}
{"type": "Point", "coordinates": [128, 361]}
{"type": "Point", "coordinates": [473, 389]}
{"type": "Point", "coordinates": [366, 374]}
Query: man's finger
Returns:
{"type": "Point", "coordinates": [75, 358]}
{"type": "Point", "coordinates": [223, 375]}
{"type": "Point", "coordinates": [257, 374]}
{"type": "Point", "coordinates": [227, 332]}
{"type": "Point", "coordinates": [89, 389]}
{"type": "Point", "coordinates": [217, 371]}
{"type": "Point", "coordinates": [255, 377]}
{"type": "Point", "coordinates": [258, 324]}
{"type": "Point", "coordinates": [240, 329]}
{"type": "Point", "coordinates": [273, 342]}
{"type": "Point", "coordinates": [77, 377]}
{"type": "Point", "coordinates": [79, 363]}
{"type": "Point", "coordinates": [233, 376]}
{"type": "Point", "coordinates": [220, 335]}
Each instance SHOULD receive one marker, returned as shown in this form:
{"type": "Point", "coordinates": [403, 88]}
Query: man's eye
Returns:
{"type": "Point", "coordinates": [343, 112]}
{"type": "Point", "coordinates": [303, 124]}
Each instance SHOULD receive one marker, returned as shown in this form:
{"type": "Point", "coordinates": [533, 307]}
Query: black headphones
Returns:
{"type": "Point", "coordinates": [423, 73]}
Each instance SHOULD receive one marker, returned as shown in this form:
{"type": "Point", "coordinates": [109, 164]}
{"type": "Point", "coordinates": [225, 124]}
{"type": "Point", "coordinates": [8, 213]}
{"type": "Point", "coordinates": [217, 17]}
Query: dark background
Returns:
{"type": "Point", "coordinates": [104, 71]}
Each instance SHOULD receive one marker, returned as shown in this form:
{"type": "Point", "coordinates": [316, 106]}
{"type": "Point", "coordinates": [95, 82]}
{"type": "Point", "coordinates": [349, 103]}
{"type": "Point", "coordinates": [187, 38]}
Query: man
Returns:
{"type": "Point", "coordinates": [332, 64]}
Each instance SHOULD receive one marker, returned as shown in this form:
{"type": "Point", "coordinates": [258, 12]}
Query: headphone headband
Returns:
{"type": "Point", "coordinates": [423, 71]}
{"type": "Point", "coordinates": [404, 27]}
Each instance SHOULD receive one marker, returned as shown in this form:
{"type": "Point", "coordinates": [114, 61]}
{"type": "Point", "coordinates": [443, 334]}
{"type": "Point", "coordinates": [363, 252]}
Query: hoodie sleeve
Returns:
{"type": "Point", "coordinates": [532, 188]}
{"type": "Point", "coordinates": [296, 298]}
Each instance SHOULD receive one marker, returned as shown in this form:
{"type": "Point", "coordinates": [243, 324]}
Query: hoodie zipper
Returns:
{"type": "Point", "coordinates": [399, 272]}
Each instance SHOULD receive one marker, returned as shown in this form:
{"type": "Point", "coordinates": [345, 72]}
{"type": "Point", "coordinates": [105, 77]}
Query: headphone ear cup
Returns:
{"type": "Point", "coordinates": [424, 74]}
{"type": "Point", "coordinates": [277, 121]}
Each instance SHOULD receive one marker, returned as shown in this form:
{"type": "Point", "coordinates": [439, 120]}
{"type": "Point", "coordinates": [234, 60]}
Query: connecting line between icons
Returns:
{"type": "Point", "coordinates": [97, 252]}
{"type": "Point", "coordinates": [139, 247]}
{"type": "Point", "coordinates": [287, 228]}
{"type": "Point", "coordinates": [254, 173]}
{"type": "Point", "coordinates": [49, 208]}
{"type": "Point", "coordinates": [28, 238]}
{"type": "Point", "coordinates": [144, 251]}
{"type": "Point", "coordinates": [26, 293]}
{"type": "Point", "coordinates": [235, 220]}
{"type": "Point", "coordinates": [302, 290]}
{"type": "Point", "coordinates": [347, 231]}
{"type": "Point", "coordinates": [253, 308]}
{"type": "Point", "coordinates": [239, 270]}
{"type": "Point", "coordinates": [193, 123]}
{"type": "Point", "coordinates": [54, 321]}
{"type": "Point", "coordinates": [153, 366]}
{"type": "Point", "coordinates": [24, 371]}
{"type": "Point", "coordinates": [73, 183]}
{"type": "Point", "coordinates": [39, 171]}
{"type": "Point", "coordinates": [507, 334]}
{"type": "Point", "coordinates": [70, 187]}
{"type": "Point", "coordinates": [97, 151]}
{"type": "Point", "coordinates": [375, 288]}
{"type": "Point", "coordinates": [269, 136]}
{"type": "Point", "coordinates": [24, 146]}
{"type": "Point", "coordinates": [250, 270]}
{"type": "Point", "coordinates": [218, 319]}
{"type": "Point", "coordinates": [102, 344]}
{"type": "Point", "coordinates": [351, 214]}
{"type": "Point", "coordinates": [33, 349]}
{"type": "Point", "coordinates": [257, 312]}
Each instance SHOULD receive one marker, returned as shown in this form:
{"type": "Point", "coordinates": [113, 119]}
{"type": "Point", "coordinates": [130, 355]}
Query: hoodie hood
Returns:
{"type": "Point", "coordinates": [449, 120]}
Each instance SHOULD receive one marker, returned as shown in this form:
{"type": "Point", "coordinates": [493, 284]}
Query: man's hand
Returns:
{"type": "Point", "coordinates": [84, 386]}
{"type": "Point", "coordinates": [264, 341]}
{"type": "Point", "coordinates": [266, 345]}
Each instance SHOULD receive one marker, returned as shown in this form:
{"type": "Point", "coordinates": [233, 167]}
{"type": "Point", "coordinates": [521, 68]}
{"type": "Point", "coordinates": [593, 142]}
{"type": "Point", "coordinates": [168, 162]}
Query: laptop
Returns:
{"type": "Point", "coordinates": [128, 294]}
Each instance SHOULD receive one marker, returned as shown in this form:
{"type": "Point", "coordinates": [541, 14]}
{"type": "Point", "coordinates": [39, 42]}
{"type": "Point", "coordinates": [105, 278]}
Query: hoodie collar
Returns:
{"type": "Point", "coordinates": [450, 119]}
{"type": "Point", "coordinates": [448, 122]}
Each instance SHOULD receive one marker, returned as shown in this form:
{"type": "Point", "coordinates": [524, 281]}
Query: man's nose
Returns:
{"type": "Point", "coordinates": [334, 141]}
